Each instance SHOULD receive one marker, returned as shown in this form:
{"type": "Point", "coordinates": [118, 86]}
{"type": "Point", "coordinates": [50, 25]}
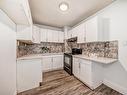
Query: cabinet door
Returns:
{"type": "Point", "coordinates": [43, 33]}
{"type": "Point", "coordinates": [76, 67]}
{"type": "Point", "coordinates": [74, 32]}
{"type": "Point", "coordinates": [58, 62]}
{"type": "Point", "coordinates": [20, 81]}
{"type": "Point", "coordinates": [49, 35]}
{"type": "Point", "coordinates": [55, 36]}
{"type": "Point", "coordinates": [24, 32]}
{"type": "Point", "coordinates": [85, 72]}
{"type": "Point", "coordinates": [103, 29]}
{"type": "Point", "coordinates": [32, 73]}
{"type": "Point", "coordinates": [70, 34]}
{"type": "Point", "coordinates": [47, 63]}
{"type": "Point", "coordinates": [61, 37]}
{"type": "Point", "coordinates": [29, 74]}
{"type": "Point", "coordinates": [81, 33]}
{"type": "Point", "coordinates": [91, 29]}
{"type": "Point", "coordinates": [36, 34]}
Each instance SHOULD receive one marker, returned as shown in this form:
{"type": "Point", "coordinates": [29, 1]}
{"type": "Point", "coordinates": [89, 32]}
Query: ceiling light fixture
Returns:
{"type": "Point", "coordinates": [63, 6]}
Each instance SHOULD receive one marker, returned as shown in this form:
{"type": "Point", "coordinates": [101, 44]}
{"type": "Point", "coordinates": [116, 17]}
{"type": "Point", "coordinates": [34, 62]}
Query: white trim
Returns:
{"type": "Point", "coordinates": [115, 87]}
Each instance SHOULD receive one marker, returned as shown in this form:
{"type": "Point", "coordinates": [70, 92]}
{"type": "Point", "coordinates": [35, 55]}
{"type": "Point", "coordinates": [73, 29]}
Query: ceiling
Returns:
{"type": "Point", "coordinates": [14, 10]}
{"type": "Point", "coordinates": [47, 12]}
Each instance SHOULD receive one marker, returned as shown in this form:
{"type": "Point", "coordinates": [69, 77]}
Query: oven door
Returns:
{"type": "Point", "coordinates": [68, 63]}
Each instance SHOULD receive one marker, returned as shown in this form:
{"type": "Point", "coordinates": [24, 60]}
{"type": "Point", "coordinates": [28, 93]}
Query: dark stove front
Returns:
{"type": "Point", "coordinates": [68, 63]}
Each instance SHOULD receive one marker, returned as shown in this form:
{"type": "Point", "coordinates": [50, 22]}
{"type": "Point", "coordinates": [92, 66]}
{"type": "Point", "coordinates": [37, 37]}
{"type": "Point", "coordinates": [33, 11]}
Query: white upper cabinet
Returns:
{"type": "Point", "coordinates": [94, 29]}
{"type": "Point", "coordinates": [43, 35]}
{"type": "Point", "coordinates": [74, 32]}
{"type": "Point", "coordinates": [91, 29]}
{"type": "Point", "coordinates": [55, 36]}
{"type": "Point", "coordinates": [36, 34]}
{"type": "Point", "coordinates": [81, 32]}
{"type": "Point", "coordinates": [24, 33]}
{"type": "Point", "coordinates": [61, 37]}
{"type": "Point", "coordinates": [97, 29]}
{"type": "Point", "coordinates": [48, 35]}
{"type": "Point", "coordinates": [69, 34]}
{"type": "Point", "coordinates": [29, 34]}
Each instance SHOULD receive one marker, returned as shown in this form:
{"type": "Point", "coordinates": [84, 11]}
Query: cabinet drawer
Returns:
{"type": "Point", "coordinates": [76, 60]}
{"type": "Point", "coordinates": [85, 61]}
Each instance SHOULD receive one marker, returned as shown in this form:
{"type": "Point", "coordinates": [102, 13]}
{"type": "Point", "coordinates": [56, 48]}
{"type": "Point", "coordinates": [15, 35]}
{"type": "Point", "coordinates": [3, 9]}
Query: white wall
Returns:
{"type": "Point", "coordinates": [116, 77]}
{"type": "Point", "coordinates": [117, 13]}
{"type": "Point", "coordinates": [7, 56]}
{"type": "Point", "coordinates": [116, 74]}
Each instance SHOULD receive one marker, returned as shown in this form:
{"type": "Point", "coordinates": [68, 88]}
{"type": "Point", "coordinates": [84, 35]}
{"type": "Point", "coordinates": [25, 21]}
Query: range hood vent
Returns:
{"type": "Point", "coordinates": [74, 39]}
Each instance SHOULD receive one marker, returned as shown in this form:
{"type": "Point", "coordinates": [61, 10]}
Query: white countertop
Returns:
{"type": "Point", "coordinates": [37, 56]}
{"type": "Point", "coordinates": [97, 59]}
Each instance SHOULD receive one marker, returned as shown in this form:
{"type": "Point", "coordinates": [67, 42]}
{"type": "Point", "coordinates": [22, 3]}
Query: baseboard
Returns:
{"type": "Point", "coordinates": [116, 87]}
{"type": "Point", "coordinates": [44, 71]}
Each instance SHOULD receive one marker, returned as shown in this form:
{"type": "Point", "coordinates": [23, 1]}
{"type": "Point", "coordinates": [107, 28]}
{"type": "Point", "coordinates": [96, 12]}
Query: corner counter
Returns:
{"type": "Point", "coordinates": [97, 59]}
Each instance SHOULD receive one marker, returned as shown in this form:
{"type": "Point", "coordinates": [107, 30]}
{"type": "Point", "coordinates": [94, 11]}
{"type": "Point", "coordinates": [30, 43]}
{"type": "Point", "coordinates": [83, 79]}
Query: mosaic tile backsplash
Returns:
{"type": "Point", "coordinates": [26, 49]}
{"type": "Point", "coordinates": [108, 49]}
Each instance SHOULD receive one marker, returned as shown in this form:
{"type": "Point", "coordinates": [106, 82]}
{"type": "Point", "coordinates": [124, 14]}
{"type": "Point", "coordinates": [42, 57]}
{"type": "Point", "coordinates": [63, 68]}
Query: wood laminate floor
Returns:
{"type": "Point", "coordinates": [61, 83]}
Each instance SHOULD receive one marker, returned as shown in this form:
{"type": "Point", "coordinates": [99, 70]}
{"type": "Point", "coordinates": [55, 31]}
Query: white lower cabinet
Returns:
{"type": "Point", "coordinates": [29, 74]}
{"type": "Point", "coordinates": [76, 67]}
{"type": "Point", "coordinates": [86, 73]}
{"type": "Point", "coordinates": [57, 62]}
{"type": "Point", "coordinates": [90, 73]}
{"type": "Point", "coordinates": [52, 62]}
{"type": "Point", "coordinates": [47, 63]}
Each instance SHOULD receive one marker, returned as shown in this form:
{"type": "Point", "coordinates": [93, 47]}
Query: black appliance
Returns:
{"type": "Point", "coordinates": [68, 60]}
{"type": "Point", "coordinates": [76, 51]}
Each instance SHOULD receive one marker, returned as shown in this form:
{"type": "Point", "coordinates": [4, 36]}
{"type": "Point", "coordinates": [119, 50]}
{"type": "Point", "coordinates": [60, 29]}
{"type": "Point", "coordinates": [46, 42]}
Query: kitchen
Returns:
{"type": "Point", "coordinates": [58, 48]}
